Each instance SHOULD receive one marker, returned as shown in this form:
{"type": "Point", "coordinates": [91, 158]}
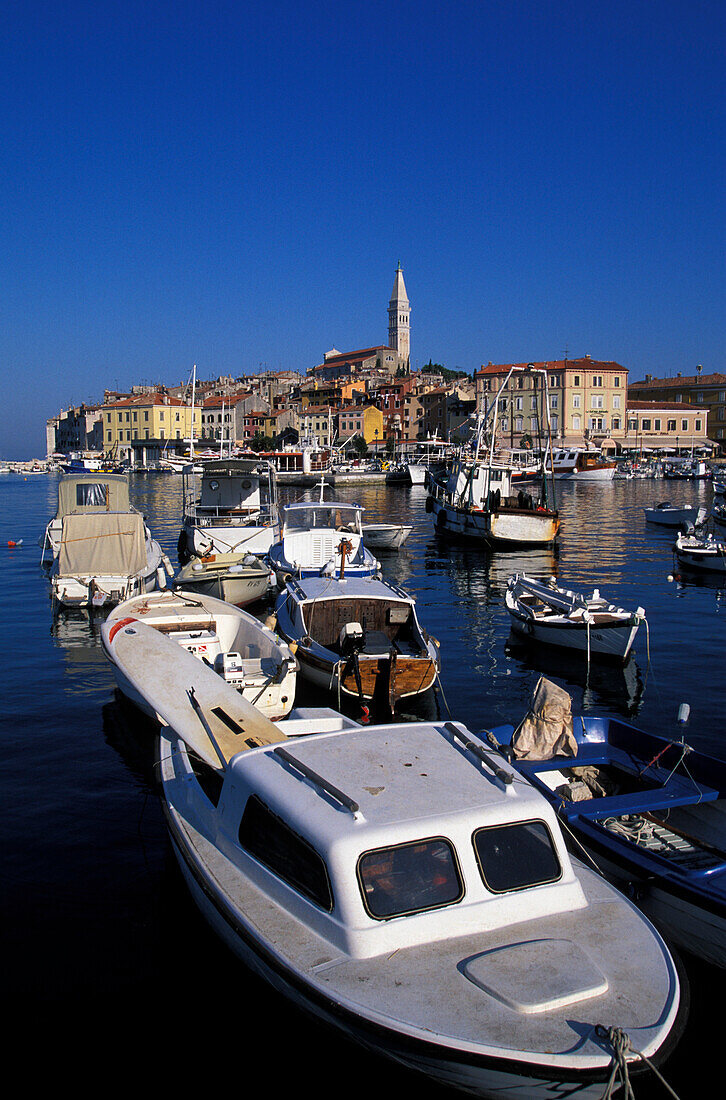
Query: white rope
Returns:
{"type": "Point", "coordinates": [621, 1045]}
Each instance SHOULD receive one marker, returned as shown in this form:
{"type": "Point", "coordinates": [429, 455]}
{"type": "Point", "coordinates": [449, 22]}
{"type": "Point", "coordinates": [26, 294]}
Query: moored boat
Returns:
{"type": "Point", "coordinates": [386, 536]}
{"type": "Point", "coordinates": [230, 508]}
{"type": "Point", "coordinates": [399, 885]}
{"type": "Point", "coordinates": [547, 613]}
{"type": "Point", "coordinates": [651, 812]}
{"type": "Point", "coordinates": [98, 546]}
{"type": "Point", "coordinates": [672, 515]}
{"type": "Point", "coordinates": [321, 537]}
{"type": "Point", "coordinates": [580, 464]}
{"type": "Point", "coordinates": [358, 638]}
{"type": "Point", "coordinates": [234, 645]}
{"type": "Point", "coordinates": [240, 579]}
{"type": "Point", "coordinates": [701, 552]}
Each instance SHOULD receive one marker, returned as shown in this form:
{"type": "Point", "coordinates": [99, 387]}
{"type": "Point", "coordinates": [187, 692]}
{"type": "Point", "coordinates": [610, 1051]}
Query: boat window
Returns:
{"type": "Point", "coordinates": [409, 878]}
{"type": "Point", "coordinates": [91, 494]}
{"type": "Point", "coordinates": [513, 857]}
{"type": "Point", "coordinates": [271, 841]}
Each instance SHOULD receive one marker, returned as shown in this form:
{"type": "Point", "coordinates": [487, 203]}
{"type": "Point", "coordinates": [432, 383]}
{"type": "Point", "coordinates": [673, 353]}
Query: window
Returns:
{"type": "Point", "coordinates": [597, 380]}
{"type": "Point", "coordinates": [576, 380]}
{"type": "Point", "coordinates": [513, 857]}
{"type": "Point", "coordinates": [684, 425]}
{"type": "Point", "coordinates": [645, 424]}
{"type": "Point", "coordinates": [671, 425]}
{"type": "Point", "coordinates": [409, 878]}
{"type": "Point", "coordinates": [616, 402]}
{"type": "Point", "coordinates": [553, 401]}
{"type": "Point", "coordinates": [576, 423]}
{"type": "Point", "coordinates": [146, 415]}
{"type": "Point", "coordinates": [616, 423]}
{"type": "Point", "coordinates": [576, 401]}
{"type": "Point", "coordinates": [697, 426]}
{"type": "Point", "coordinates": [596, 401]}
{"type": "Point", "coordinates": [616, 381]}
{"type": "Point", "coordinates": [91, 495]}
{"type": "Point", "coordinates": [276, 846]}
{"type": "Point", "coordinates": [656, 425]}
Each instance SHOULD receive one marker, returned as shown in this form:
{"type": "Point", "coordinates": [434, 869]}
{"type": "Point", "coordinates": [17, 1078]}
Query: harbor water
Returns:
{"type": "Point", "coordinates": [106, 962]}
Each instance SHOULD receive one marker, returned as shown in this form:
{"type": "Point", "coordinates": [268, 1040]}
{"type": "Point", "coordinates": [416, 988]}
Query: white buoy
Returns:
{"type": "Point", "coordinates": [684, 711]}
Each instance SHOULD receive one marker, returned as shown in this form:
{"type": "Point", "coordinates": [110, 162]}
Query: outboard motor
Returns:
{"type": "Point", "coordinates": [350, 638]}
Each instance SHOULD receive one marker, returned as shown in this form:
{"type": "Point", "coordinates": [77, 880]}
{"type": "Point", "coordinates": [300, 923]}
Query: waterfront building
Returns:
{"type": "Point", "coordinates": [706, 391]}
{"type": "Point", "coordinates": [155, 421]}
{"type": "Point", "coordinates": [587, 402]}
{"type": "Point", "coordinates": [666, 427]}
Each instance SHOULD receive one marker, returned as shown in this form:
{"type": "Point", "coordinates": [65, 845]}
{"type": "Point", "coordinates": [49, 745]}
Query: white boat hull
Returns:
{"type": "Point", "coordinates": [584, 475]}
{"type": "Point", "coordinates": [704, 560]}
{"type": "Point", "coordinates": [671, 517]}
{"type": "Point", "coordinates": [521, 528]}
{"type": "Point", "coordinates": [612, 641]}
{"type": "Point", "coordinates": [385, 536]}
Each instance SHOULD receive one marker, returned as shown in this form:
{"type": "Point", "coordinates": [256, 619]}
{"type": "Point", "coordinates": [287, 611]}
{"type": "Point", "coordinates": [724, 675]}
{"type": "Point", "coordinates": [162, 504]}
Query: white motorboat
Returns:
{"type": "Point", "coordinates": [359, 638]}
{"type": "Point", "coordinates": [543, 612]}
{"type": "Point", "coordinates": [321, 538]}
{"type": "Point", "coordinates": [719, 487]}
{"type": "Point", "coordinates": [240, 579]}
{"type": "Point", "coordinates": [98, 546]}
{"type": "Point", "coordinates": [700, 552]}
{"type": "Point", "coordinates": [385, 536]}
{"type": "Point", "coordinates": [399, 884]}
{"type": "Point", "coordinates": [580, 464]}
{"type": "Point", "coordinates": [230, 508]}
{"type": "Point", "coordinates": [673, 515]}
{"type": "Point", "coordinates": [241, 651]}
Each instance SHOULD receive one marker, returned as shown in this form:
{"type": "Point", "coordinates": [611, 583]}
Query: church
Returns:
{"type": "Point", "coordinates": [385, 359]}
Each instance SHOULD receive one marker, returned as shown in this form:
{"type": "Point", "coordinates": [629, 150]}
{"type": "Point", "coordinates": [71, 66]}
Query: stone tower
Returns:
{"type": "Point", "coordinates": [399, 329]}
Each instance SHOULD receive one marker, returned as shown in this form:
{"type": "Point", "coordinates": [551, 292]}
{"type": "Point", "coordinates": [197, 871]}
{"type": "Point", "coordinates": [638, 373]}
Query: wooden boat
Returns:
{"type": "Point", "coordinates": [230, 508]}
{"type": "Point", "coordinates": [479, 499]}
{"type": "Point", "coordinates": [98, 547]}
{"type": "Point", "coordinates": [240, 579]}
{"type": "Point", "coordinates": [385, 536]}
{"type": "Point", "coordinates": [241, 651]}
{"type": "Point", "coordinates": [321, 538]}
{"type": "Point", "coordinates": [579, 464]}
{"type": "Point", "coordinates": [398, 884]}
{"type": "Point", "coordinates": [544, 612]}
{"type": "Point", "coordinates": [651, 812]}
{"type": "Point", "coordinates": [701, 552]}
{"type": "Point", "coordinates": [358, 638]}
{"type": "Point", "coordinates": [671, 515]}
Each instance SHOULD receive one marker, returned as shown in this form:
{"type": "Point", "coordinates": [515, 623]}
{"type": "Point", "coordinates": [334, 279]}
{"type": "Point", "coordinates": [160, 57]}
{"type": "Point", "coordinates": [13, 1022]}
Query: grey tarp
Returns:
{"type": "Point", "coordinates": [102, 544]}
{"type": "Point", "coordinates": [547, 728]}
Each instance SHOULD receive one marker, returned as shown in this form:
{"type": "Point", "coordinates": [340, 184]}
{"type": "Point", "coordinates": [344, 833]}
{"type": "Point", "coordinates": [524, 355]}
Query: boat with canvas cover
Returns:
{"type": "Point", "coordinates": [98, 547]}
{"type": "Point", "coordinates": [358, 638]}
{"type": "Point", "coordinates": [650, 812]}
{"type": "Point", "coordinates": [401, 885]}
{"type": "Point", "coordinates": [544, 612]}
{"type": "Point", "coordinates": [240, 579]}
{"type": "Point", "coordinates": [240, 650]}
{"type": "Point", "coordinates": [229, 508]}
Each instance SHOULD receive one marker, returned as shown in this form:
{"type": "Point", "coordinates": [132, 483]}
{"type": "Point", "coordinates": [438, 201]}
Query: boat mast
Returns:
{"type": "Point", "coordinates": [194, 389]}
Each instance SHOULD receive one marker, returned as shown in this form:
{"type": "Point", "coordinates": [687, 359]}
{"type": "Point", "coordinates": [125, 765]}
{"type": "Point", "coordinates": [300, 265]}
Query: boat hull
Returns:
{"type": "Point", "coordinates": [707, 561]}
{"type": "Point", "coordinates": [510, 527]}
{"type": "Point", "coordinates": [225, 539]}
{"type": "Point", "coordinates": [604, 641]}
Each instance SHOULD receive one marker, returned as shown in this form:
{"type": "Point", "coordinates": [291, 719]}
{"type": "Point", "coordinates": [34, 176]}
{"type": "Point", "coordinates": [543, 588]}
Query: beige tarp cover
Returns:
{"type": "Point", "coordinates": [546, 731]}
{"type": "Point", "coordinates": [102, 543]}
{"type": "Point", "coordinates": [116, 499]}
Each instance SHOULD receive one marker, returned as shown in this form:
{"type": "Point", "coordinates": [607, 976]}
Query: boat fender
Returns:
{"type": "Point", "coordinates": [160, 578]}
{"type": "Point", "coordinates": [117, 626]}
{"type": "Point", "coordinates": [441, 519]}
{"type": "Point", "coordinates": [429, 504]}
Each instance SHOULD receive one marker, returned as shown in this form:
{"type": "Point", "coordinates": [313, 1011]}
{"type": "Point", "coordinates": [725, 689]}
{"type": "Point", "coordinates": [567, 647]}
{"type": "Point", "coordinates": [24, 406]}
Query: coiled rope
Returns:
{"type": "Point", "coordinates": [620, 1044]}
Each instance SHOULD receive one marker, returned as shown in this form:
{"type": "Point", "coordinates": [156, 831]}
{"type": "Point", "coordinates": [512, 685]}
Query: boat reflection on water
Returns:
{"type": "Point", "coordinates": [608, 686]}
{"type": "Point", "coordinates": [697, 578]}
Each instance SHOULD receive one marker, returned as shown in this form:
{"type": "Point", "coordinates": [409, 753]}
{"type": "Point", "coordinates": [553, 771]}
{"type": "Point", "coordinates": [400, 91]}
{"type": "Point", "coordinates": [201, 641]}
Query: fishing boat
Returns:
{"type": "Point", "coordinates": [358, 638]}
{"type": "Point", "coordinates": [385, 536]}
{"type": "Point", "coordinates": [480, 500]}
{"type": "Point", "coordinates": [546, 613]}
{"type": "Point", "coordinates": [650, 812]}
{"type": "Point", "coordinates": [229, 508]}
{"type": "Point", "coordinates": [236, 647]}
{"type": "Point", "coordinates": [321, 537]}
{"type": "Point", "coordinates": [97, 546]}
{"type": "Point", "coordinates": [415, 462]}
{"type": "Point", "coordinates": [401, 885]}
{"type": "Point", "coordinates": [719, 487]}
{"type": "Point", "coordinates": [672, 515]}
{"type": "Point", "coordinates": [581, 464]}
{"type": "Point", "coordinates": [239, 579]}
{"type": "Point", "coordinates": [701, 552]}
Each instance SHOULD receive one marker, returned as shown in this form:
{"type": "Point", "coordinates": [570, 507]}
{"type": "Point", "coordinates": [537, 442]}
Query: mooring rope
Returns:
{"type": "Point", "coordinates": [621, 1045]}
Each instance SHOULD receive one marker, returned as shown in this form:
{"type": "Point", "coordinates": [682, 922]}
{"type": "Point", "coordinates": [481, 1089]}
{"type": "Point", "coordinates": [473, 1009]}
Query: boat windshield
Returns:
{"type": "Point", "coordinates": [513, 857]}
{"type": "Point", "coordinates": [409, 878]}
{"type": "Point", "coordinates": [335, 516]}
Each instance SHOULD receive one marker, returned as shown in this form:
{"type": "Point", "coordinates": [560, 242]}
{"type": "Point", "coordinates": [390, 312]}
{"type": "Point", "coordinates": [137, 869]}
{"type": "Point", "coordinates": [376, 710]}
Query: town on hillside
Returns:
{"type": "Point", "coordinates": [370, 402]}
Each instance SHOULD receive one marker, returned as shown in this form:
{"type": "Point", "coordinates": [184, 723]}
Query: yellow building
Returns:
{"type": "Point", "coordinates": [148, 417]}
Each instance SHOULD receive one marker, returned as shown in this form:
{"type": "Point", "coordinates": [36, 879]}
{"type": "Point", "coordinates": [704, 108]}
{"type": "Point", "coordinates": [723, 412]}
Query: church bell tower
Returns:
{"type": "Point", "coordinates": [399, 329]}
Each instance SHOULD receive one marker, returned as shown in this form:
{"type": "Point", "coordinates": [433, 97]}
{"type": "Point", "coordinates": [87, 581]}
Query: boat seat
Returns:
{"type": "Point", "coordinates": [376, 642]}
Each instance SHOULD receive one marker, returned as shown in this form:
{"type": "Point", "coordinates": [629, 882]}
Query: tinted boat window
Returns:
{"type": "Point", "coordinates": [409, 878]}
{"type": "Point", "coordinates": [266, 837]}
{"type": "Point", "coordinates": [512, 857]}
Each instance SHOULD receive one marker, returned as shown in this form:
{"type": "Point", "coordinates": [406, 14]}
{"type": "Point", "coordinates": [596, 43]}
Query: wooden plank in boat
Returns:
{"type": "Point", "coordinates": [163, 672]}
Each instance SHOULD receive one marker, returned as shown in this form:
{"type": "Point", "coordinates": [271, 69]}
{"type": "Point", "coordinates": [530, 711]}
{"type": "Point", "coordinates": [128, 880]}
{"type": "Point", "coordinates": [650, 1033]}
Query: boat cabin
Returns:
{"type": "Point", "coordinates": [312, 532]}
{"type": "Point", "coordinates": [230, 488]}
{"type": "Point", "coordinates": [358, 836]}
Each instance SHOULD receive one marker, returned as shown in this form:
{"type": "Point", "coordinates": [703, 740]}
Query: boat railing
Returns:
{"type": "Point", "coordinates": [480, 753]}
{"type": "Point", "coordinates": [318, 780]}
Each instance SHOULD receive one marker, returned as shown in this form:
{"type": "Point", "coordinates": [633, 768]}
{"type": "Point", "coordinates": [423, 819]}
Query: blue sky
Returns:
{"type": "Point", "coordinates": [234, 184]}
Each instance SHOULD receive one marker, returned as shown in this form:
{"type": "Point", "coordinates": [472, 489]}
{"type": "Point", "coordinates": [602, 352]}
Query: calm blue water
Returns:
{"type": "Point", "coordinates": [103, 946]}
